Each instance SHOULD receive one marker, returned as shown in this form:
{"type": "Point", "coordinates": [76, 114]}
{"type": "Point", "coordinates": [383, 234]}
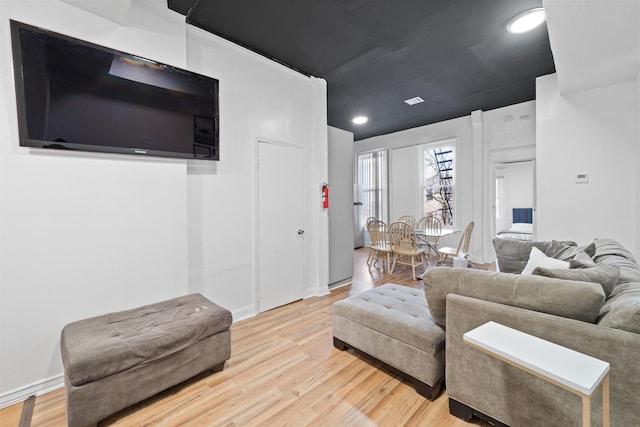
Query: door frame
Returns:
{"type": "Point", "coordinates": [494, 167]}
{"type": "Point", "coordinates": [305, 217]}
{"type": "Point", "coordinates": [497, 156]}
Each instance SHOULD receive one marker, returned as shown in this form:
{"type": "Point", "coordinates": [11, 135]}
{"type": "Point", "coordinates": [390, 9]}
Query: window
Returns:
{"type": "Point", "coordinates": [372, 179]}
{"type": "Point", "coordinates": [439, 181]}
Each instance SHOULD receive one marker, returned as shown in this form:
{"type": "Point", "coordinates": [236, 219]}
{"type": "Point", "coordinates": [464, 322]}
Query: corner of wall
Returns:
{"type": "Point", "coordinates": [637, 201]}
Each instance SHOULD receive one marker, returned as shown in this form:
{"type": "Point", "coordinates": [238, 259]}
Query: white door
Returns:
{"type": "Point", "coordinates": [280, 225]}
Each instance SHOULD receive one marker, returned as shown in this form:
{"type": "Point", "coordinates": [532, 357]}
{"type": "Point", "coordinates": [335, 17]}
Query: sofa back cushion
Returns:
{"type": "Point", "coordinates": [610, 252]}
{"type": "Point", "coordinates": [582, 260]}
{"type": "Point", "coordinates": [512, 255]}
{"type": "Point", "coordinates": [622, 309]}
{"type": "Point", "coordinates": [566, 298]}
{"type": "Point", "coordinates": [606, 275]}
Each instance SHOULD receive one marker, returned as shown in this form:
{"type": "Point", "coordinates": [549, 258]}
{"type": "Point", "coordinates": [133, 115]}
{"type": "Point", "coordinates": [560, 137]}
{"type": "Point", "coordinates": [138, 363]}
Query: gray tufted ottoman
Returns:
{"type": "Point", "coordinates": [118, 359]}
{"type": "Point", "coordinates": [392, 324]}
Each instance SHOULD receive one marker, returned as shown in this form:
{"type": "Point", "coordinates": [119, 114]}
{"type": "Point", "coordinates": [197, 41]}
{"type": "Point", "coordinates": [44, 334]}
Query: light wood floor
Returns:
{"type": "Point", "coordinates": [283, 371]}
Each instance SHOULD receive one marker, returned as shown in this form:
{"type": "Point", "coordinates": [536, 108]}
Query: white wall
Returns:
{"type": "Point", "coordinates": [596, 132]}
{"type": "Point", "coordinates": [519, 186]}
{"type": "Point", "coordinates": [82, 235]}
{"type": "Point", "coordinates": [259, 100]}
{"type": "Point", "coordinates": [518, 189]}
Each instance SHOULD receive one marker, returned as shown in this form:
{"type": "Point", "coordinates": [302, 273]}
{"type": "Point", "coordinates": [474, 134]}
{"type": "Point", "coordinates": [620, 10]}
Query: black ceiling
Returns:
{"type": "Point", "coordinates": [455, 54]}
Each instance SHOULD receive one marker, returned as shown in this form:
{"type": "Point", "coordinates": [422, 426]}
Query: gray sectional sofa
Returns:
{"type": "Point", "coordinates": [593, 308]}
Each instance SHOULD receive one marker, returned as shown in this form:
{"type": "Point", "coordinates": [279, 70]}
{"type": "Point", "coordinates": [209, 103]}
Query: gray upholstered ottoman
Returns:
{"type": "Point", "coordinates": [392, 324]}
{"type": "Point", "coordinates": [118, 359]}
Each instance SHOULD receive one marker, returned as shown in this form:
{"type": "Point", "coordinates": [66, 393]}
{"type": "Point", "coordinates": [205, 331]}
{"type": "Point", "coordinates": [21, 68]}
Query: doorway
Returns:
{"type": "Point", "coordinates": [514, 199]}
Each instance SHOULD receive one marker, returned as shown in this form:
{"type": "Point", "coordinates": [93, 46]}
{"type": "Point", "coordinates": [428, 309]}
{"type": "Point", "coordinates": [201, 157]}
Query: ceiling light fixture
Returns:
{"type": "Point", "coordinates": [360, 120]}
{"type": "Point", "coordinates": [414, 101]}
{"type": "Point", "coordinates": [527, 21]}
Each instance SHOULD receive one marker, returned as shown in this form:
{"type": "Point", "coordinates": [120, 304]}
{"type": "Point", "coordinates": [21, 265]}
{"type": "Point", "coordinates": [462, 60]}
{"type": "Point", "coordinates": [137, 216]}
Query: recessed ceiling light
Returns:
{"type": "Point", "coordinates": [526, 21]}
{"type": "Point", "coordinates": [360, 120]}
{"type": "Point", "coordinates": [414, 101]}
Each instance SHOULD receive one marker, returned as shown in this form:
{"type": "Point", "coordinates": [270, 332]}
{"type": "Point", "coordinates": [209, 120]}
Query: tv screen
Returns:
{"type": "Point", "coordinates": [75, 95]}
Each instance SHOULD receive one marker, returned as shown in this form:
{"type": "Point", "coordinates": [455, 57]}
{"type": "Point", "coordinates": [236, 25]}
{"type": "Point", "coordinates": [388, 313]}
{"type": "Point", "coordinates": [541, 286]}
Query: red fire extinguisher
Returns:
{"type": "Point", "coordinates": [325, 195]}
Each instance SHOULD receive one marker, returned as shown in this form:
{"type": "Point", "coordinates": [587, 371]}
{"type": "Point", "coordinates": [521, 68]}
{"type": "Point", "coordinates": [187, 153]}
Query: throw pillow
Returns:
{"type": "Point", "coordinates": [537, 258]}
{"type": "Point", "coordinates": [606, 275]}
{"type": "Point", "coordinates": [582, 260]}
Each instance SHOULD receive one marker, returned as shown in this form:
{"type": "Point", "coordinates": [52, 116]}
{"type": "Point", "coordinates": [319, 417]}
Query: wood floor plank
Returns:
{"type": "Point", "coordinates": [283, 371]}
{"type": "Point", "coordinates": [49, 409]}
{"type": "Point", "coordinates": [10, 415]}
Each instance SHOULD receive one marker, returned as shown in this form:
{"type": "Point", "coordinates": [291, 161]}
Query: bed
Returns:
{"type": "Point", "coordinates": [522, 225]}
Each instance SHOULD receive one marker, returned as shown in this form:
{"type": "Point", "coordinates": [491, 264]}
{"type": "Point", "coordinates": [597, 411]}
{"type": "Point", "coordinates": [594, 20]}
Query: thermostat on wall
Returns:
{"type": "Point", "coordinates": [582, 178]}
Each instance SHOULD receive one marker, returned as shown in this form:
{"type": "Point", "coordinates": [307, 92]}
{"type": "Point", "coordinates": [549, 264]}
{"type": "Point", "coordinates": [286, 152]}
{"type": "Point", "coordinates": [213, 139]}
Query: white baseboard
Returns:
{"type": "Point", "coordinates": [315, 291]}
{"type": "Point", "coordinates": [38, 388]}
{"type": "Point", "coordinates": [244, 313]}
{"type": "Point", "coordinates": [340, 283]}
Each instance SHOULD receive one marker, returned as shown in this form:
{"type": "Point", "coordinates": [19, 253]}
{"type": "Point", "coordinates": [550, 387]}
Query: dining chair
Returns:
{"type": "Point", "coordinates": [463, 245]}
{"type": "Point", "coordinates": [431, 229]}
{"type": "Point", "coordinates": [380, 245]}
{"type": "Point", "coordinates": [366, 227]}
{"type": "Point", "coordinates": [409, 220]}
{"type": "Point", "coordinates": [406, 249]}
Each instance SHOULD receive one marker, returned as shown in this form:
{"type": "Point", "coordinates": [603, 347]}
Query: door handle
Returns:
{"type": "Point", "coordinates": [300, 232]}
{"type": "Point", "coordinates": [357, 203]}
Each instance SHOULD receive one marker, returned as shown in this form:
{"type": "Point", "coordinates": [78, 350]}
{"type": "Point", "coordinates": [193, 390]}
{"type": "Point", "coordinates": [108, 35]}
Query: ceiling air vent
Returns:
{"type": "Point", "coordinates": [414, 101]}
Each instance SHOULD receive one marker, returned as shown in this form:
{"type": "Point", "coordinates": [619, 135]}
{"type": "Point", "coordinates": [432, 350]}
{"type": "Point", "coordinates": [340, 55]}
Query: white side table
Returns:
{"type": "Point", "coordinates": [573, 371]}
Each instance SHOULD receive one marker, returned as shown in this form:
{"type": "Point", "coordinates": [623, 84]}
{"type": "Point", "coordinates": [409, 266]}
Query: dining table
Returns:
{"type": "Point", "coordinates": [423, 240]}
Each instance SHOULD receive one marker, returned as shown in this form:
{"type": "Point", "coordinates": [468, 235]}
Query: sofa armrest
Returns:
{"type": "Point", "coordinates": [566, 298]}
{"type": "Point", "coordinates": [515, 397]}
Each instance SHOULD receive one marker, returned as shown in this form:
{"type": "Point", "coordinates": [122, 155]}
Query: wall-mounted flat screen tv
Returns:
{"type": "Point", "coordinates": [75, 95]}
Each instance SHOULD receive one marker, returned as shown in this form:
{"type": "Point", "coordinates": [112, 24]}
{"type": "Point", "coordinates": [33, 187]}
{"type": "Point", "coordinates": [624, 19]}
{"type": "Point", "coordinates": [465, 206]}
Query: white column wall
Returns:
{"type": "Point", "coordinates": [637, 195]}
{"type": "Point", "coordinates": [87, 234]}
{"type": "Point", "coordinates": [595, 132]}
{"type": "Point", "coordinates": [341, 208]}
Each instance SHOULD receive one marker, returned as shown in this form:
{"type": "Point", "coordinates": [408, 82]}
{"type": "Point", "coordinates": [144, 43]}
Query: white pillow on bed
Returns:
{"type": "Point", "coordinates": [521, 226]}
{"type": "Point", "coordinates": [537, 258]}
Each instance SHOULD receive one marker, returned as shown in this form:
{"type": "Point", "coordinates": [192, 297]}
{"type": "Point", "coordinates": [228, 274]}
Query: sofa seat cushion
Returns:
{"type": "Point", "coordinates": [396, 311]}
{"type": "Point", "coordinates": [566, 298]}
{"type": "Point", "coordinates": [622, 309]}
{"type": "Point", "coordinates": [105, 345]}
